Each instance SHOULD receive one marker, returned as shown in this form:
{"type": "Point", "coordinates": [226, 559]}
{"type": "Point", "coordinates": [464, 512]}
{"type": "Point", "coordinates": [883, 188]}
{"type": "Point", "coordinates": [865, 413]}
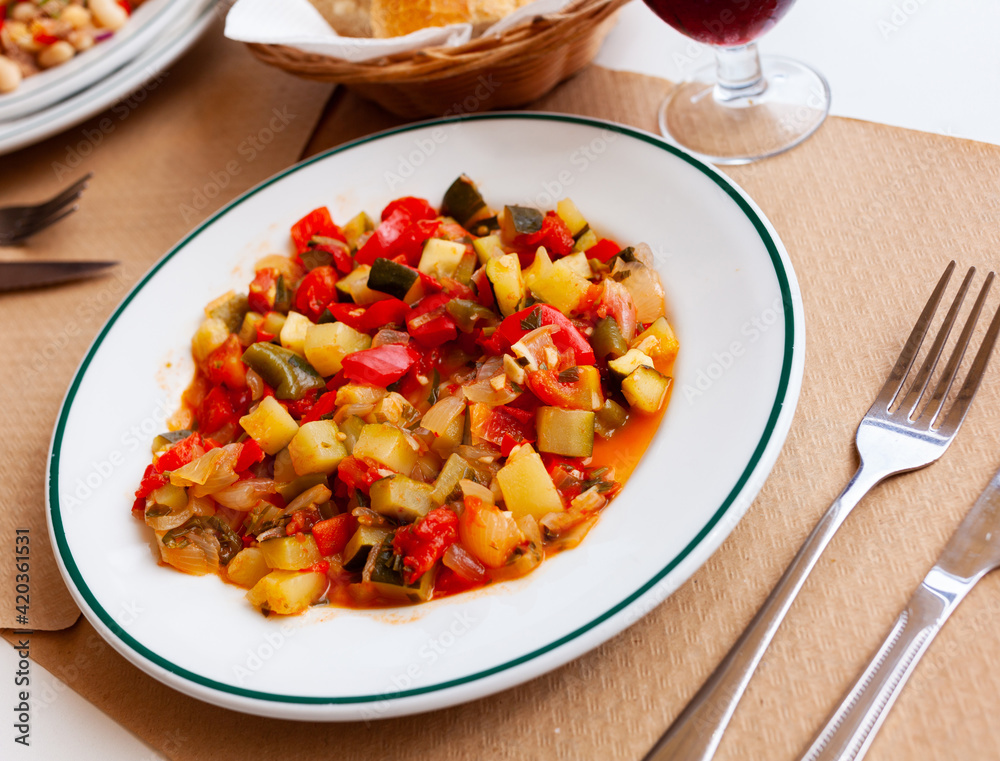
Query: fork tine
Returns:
{"type": "Point", "coordinates": [968, 391]}
{"type": "Point", "coordinates": [933, 408]}
{"type": "Point", "coordinates": [38, 226]}
{"type": "Point", "coordinates": [919, 385]}
{"type": "Point", "coordinates": [894, 382]}
{"type": "Point", "coordinates": [69, 195]}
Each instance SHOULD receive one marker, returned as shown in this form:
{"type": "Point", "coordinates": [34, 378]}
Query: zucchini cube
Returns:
{"type": "Point", "coordinates": [440, 258]}
{"type": "Point", "coordinates": [401, 498]}
{"type": "Point", "coordinates": [317, 448]}
{"type": "Point", "coordinates": [565, 432]}
{"type": "Point", "coordinates": [646, 389]}
{"type": "Point", "coordinates": [270, 425]}
{"type": "Point", "coordinates": [386, 445]}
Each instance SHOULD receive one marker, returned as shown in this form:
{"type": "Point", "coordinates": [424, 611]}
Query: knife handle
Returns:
{"type": "Point", "coordinates": [851, 729]}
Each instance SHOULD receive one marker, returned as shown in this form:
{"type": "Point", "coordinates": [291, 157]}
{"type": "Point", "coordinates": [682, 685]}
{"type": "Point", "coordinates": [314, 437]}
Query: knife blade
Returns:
{"type": "Point", "coordinates": [18, 275]}
{"type": "Point", "coordinates": [971, 552]}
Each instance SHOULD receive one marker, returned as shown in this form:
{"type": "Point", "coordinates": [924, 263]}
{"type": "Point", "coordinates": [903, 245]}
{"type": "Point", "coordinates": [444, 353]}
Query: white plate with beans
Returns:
{"type": "Point", "coordinates": [70, 71]}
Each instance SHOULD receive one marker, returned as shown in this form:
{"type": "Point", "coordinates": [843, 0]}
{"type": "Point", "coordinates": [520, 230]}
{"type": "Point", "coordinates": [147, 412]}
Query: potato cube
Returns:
{"type": "Point", "coordinates": [317, 448]}
{"type": "Point", "coordinates": [288, 592]}
{"type": "Point", "coordinates": [270, 425]}
{"type": "Point", "coordinates": [290, 553]}
{"type": "Point", "coordinates": [646, 389]}
{"type": "Point", "coordinates": [386, 445]}
{"type": "Point", "coordinates": [401, 498]}
{"type": "Point", "coordinates": [526, 486]}
{"type": "Point", "coordinates": [248, 567]}
{"type": "Point", "coordinates": [326, 345]}
{"type": "Point", "coordinates": [293, 332]}
{"type": "Point", "coordinates": [658, 340]}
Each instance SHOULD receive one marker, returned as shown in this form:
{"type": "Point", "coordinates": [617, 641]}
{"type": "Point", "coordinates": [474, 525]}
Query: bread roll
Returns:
{"type": "Point", "coordinates": [351, 18]}
{"type": "Point", "coordinates": [393, 18]}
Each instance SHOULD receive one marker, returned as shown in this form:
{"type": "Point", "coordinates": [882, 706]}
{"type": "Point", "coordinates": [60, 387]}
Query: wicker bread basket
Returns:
{"type": "Point", "coordinates": [503, 71]}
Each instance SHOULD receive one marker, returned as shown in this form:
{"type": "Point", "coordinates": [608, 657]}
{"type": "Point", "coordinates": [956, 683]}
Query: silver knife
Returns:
{"type": "Point", "coordinates": [971, 553]}
{"type": "Point", "coordinates": [18, 275]}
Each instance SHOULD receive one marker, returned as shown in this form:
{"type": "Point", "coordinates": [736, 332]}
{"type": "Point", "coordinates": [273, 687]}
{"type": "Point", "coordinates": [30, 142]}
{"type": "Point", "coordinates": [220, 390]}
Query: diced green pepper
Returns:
{"type": "Point", "coordinates": [232, 312]}
{"type": "Point", "coordinates": [290, 375]}
{"type": "Point", "coordinates": [607, 339]}
{"type": "Point", "coordinates": [610, 418]}
{"type": "Point", "coordinates": [467, 312]}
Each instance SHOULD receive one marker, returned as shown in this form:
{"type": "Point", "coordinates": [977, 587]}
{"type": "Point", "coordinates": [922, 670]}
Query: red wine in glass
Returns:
{"type": "Point", "coordinates": [721, 22]}
{"type": "Point", "coordinates": [743, 108]}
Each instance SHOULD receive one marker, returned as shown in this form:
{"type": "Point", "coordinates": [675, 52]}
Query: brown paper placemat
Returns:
{"type": "Point", "coordinates": [870, 215]}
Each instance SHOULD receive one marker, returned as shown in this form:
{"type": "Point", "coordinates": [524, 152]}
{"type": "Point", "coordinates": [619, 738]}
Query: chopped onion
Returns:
{"type": "Point", "coordinates": [484, 391]}
{"type": "Point", "coordinates": [314, 495]}
{"type": "Point", "coordinates": [643, 254]}
{"type": "Point", "coordinates": [532, 346]}
{"type": "Point", "coordinates": [198, 556]}
{"type": "Point", "coordinates": [643, 284]}
{"type": "Point", "coordinates": [202, 506]}
{"type": "Point", "coordinates": [458, 559]}
{"type": "Point", "coordinates": [617, 301]}
{"type": "Point", "coordinates": [472, 489]}
{"type": "Point", "coordinates": [173, 519]}
{"type": "Point", "coordinates": [439, 418]}
{"type": "Point", "coordinates": [210, 472]}
{"type": "Point", "coordinates": [256, 385]}
{"type": "Point", "coordinates": [244, 495]}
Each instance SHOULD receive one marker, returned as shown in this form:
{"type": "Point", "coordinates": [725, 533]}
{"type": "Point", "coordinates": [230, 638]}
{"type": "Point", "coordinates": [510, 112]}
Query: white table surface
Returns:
{"type": "Point", "coordinates": [920, 64]}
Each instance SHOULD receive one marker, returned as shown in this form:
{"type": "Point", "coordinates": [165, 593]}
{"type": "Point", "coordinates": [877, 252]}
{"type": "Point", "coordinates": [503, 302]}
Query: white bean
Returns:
{"type": "Point", "coordinates": [24, 11]}
{"type": "Point", "coordinates": [108, 14]}
{"type": "Point", "coordinates": [81, 39]}
{"type": "Point", "coordinates": [55, 54]}
{"type": "Point", "coordinates": [10, 74]}
{"type": "Point", "coordinates": [76, 16]}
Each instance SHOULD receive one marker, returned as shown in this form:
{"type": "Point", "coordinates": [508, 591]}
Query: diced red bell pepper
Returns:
{"type": "Point", "coordinates": [380, 366]}
{"type": "Point", "coordinates": [554, 235]}
{"type": "Point", "coordinates": [126, 6]}
{"type": "Point", "coordinates": [510, 422]}
{"type": "Point", "coordinates": [357, 473]}
{"type": "Point", "coordinates": [351, 315]}
{"type": "Point", "coordinates": [567, 337]}
{"type": "Point", "coordinates": [423, 543]}
{"type": "Point", "coordinates": [298, 408]}
{"type": "Point", "coordinates": [151, 481]}
{"type": "Point", "coordinates": [44, 38]}
{"type": "Point", "coordinates": [333, 534]}
{"type": "Point", "coordinates": [301, 521]}
{"type": "Point", "coordinates": [447, 582]}
{"type": "Point", "coordinates": [386, 312]}
{"type": "Point", "coordinates": [316, 291]}
{"type": "Point", "coordinates": [429, 323]}
{"type": "Point", "coordinates": [382, 241]}
{"type": "Point", "coordinates": [181, 453]}
{"type": "Point", "coordinates": [316, 222]}
{"type": "Point", "coordinates": [484, 293]}
{"type": "Point", "coordinates": [410, 245]}
{"type": "Point", "coordinates": [216, 410]}
{"type": "Point", "coordinates": [342, 260]}
{"type": "Point", "coordinates": [224, 366]}
{"type": "Point", "coordinates": [263, 290]}
{"type": "Point", "coordinates": [324, 406]}
{"type": "Point", "coordinates": [416, 208]}
{"type": "Point", "coordinates": [545, 384]}
{"type": "Point", "coordinates": [250, 454]}
{"type": "Point", "coordinates": [603, 250]}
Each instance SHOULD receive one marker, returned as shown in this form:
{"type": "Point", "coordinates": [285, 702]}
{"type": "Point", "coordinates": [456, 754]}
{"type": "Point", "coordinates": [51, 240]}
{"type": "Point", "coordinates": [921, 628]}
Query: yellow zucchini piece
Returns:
{"type": "Point", "coordinates": [386, 445]}
{"type": "Point", "coordinates": [585, 241]}
{"type": "Point", "coordinates": [211, 334]}
{"type": "Point", "coordinates": [565, 432]}
{"type": "Point", "coordinates": [293, 332]}
{"type": "Point", "coordinates": [401, 498]}
{"type": "Point", "coordinates": [248, 567]}
{"type": "Point", "coordinates": [526, 486]}
{"type": "Point", "coordinates": [317, 448]}
{"type": "Point", "coordinates": [628, 362]}
{"type": "Point", "coordinates": [577, 263]}
{"type": "Point", "coordinates": [646, 389]}
{"type": "Point", "coordinates": [440, 258]}
{"type": "Point", "coordinates": [658, 340]}
{"type": "Point", "coordinates": [561, 287]}
{"type": "Point", "coordinates": [488, 247]}
{"type": "Point", "coordinates": [290, 553]}
{"type": "Point", "coordinates": [270, 425]}
{"type": "Point", "coordinates": [571, 215]}
{"type": "Point", "coordinates": [508, 286]}
{"type": "Point", "coordinates": [288, 592]}
{"type": "Point", "coordinates": [326, 345]}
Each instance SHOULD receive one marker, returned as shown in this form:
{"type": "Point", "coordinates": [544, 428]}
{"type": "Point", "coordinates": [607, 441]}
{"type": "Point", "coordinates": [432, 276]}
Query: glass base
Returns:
{"type": "Point", "coordinates": [742, 129]}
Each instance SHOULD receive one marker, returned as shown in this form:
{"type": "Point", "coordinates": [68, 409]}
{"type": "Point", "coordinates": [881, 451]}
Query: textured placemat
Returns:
{"type": "Point", "coordinates": [870, 215]}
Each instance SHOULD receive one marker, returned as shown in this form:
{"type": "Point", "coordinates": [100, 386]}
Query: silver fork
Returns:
{"type": "Point", "coordinates": [17, 223]}
{"type": "Point", "coordinates": [892, 438]}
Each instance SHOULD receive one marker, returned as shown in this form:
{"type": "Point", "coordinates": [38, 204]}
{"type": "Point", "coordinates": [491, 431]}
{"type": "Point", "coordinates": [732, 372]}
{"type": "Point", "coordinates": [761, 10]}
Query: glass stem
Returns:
{"type": "Point", "coordinates": [738, 74]}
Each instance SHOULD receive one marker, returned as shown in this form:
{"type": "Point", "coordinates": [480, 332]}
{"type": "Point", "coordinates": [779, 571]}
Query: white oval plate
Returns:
{"type": "Point", "coordinates": [732, 296]}
{"type": "Point", "coordinates": [141, 72]}
{"type": "Point", "coordinates": [145, 26]}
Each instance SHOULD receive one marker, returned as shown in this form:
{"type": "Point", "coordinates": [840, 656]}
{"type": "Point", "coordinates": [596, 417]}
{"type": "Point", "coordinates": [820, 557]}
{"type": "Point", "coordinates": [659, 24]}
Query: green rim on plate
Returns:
{"type": "Point", "coordinates": [765, 438]}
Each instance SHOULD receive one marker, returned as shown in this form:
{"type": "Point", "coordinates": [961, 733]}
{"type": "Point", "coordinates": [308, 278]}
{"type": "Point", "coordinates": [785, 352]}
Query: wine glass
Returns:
{"type": "Point", "coordinates": [742, 108]}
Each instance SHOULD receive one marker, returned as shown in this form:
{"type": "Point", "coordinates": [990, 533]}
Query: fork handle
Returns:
{"type": "Point", "coordinates": [695, 734]}
{"type": "Point", "coordinates": [852, 727]}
